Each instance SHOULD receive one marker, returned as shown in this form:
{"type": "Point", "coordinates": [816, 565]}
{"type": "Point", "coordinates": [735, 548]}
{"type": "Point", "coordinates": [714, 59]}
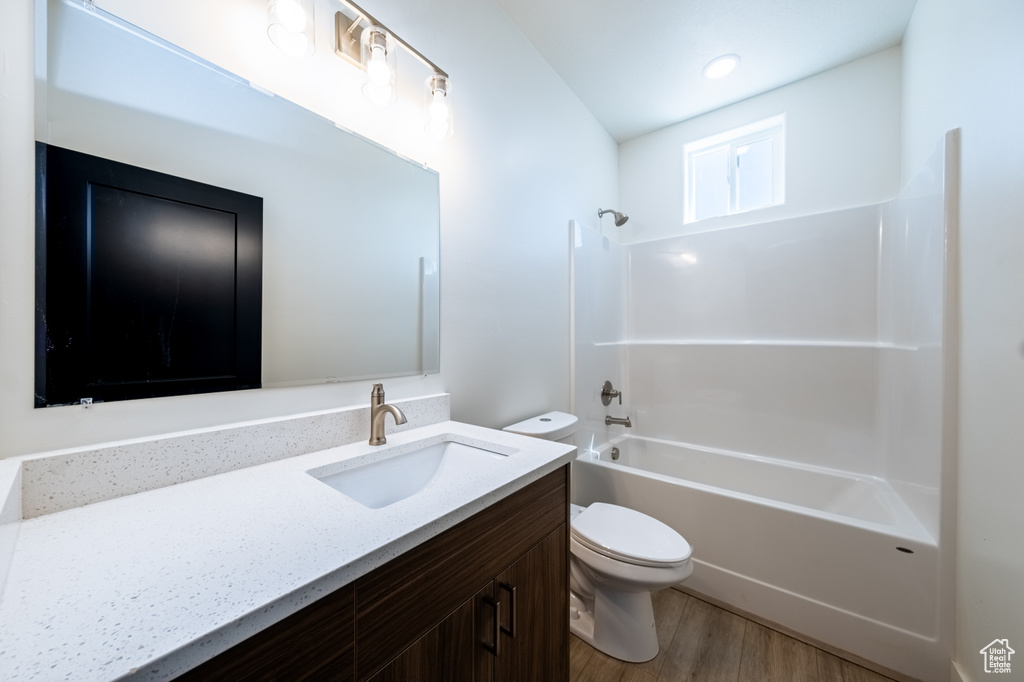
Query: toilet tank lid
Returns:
{"type": "Point", "coordinates": [551, 426]}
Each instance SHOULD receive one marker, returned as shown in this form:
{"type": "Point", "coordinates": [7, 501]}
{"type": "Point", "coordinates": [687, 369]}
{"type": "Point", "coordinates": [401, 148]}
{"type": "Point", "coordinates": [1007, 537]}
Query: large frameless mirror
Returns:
{"type": "Point", "coordinates": [350, 229]}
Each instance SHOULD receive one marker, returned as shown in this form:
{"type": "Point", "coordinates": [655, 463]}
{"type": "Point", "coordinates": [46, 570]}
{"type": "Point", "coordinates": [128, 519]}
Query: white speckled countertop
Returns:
{"type": "Point", "coordinates": [153, 584]}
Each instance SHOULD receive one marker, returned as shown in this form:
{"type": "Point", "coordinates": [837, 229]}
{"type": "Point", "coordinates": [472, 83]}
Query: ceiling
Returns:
{"type": "Point", "coordinates": [637, 64]}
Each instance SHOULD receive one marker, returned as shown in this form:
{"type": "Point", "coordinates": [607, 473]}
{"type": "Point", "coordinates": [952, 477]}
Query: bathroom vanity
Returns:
{"type": "Point", "coordinates": [485, 600]}
{"type": "Point", "coordinates": [269, 571]}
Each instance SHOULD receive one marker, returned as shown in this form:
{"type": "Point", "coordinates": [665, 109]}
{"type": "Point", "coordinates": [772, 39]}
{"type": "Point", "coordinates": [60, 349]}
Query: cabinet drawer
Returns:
{"type": "Point", "coordinates": [399, 602]}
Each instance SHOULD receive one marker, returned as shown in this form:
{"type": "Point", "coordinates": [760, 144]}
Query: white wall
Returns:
{"type": "Point", "coordinates": [962, 68]}
{"type": "Point", "coordinates": [522, 162]}
{"type": "Point", "coordinates": [842, 149]}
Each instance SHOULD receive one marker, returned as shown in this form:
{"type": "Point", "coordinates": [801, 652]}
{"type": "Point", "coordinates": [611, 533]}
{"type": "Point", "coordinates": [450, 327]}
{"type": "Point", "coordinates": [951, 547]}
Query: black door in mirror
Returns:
{"type": "Point", "coordinates": [147, 284]}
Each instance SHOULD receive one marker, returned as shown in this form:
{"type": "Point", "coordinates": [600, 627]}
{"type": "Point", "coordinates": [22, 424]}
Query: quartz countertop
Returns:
{"type": "Point", "coordinates": [155, 583]}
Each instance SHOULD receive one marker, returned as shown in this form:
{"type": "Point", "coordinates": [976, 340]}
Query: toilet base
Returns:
{"type": "Point", "coordinates": [620, 625]}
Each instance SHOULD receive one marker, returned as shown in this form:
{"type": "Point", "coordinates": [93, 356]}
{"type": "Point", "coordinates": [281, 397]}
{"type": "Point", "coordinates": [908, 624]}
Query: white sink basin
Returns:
{"type": "Point", "coordinates": [391, 480]}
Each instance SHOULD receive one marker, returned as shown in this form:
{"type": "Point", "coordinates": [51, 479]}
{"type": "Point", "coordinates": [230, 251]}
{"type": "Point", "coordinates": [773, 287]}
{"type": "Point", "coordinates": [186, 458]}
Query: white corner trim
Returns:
{"type": "Point", "coordinates": [956, 674]}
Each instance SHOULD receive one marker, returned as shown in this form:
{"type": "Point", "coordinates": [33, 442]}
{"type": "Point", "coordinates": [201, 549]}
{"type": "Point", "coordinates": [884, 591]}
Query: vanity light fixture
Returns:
{"type": "Point", "coordinates": [721, 66]}
{"type": "Point", "coordinates": [290, 26]}
{"type": "Point", "coordinates": [371, 46]}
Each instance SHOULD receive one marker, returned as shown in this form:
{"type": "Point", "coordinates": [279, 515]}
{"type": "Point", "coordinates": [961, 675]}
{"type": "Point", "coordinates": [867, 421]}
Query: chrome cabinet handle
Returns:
{"type": "Point", "coordinates": [511, 629]}
{"type": "Point", "coordinates": [495, 646]}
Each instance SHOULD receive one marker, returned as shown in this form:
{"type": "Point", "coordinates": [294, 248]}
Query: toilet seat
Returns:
{"type": "Point", "coordinates": [627, 535]}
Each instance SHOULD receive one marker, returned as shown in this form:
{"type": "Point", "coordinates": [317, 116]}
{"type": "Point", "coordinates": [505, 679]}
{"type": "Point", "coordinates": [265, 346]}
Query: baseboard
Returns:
{"type": "Point", "coordinates": [824, 646]}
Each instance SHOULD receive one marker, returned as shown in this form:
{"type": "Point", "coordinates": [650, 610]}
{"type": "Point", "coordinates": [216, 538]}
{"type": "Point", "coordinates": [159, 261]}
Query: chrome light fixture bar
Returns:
{"type": "Point", "coordinates": [368, 44]}
{"type": "Point", "coordinates": [348, 30]}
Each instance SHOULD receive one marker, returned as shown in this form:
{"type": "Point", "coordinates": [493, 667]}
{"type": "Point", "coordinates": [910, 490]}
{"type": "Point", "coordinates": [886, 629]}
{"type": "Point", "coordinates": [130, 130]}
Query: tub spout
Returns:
{"type": "Point", "coordinates": [608, 421]}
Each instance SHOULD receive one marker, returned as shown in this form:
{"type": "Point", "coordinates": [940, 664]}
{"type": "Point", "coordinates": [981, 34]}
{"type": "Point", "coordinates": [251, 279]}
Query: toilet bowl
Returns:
{"type": "Point", "coordinates": [618, 557]}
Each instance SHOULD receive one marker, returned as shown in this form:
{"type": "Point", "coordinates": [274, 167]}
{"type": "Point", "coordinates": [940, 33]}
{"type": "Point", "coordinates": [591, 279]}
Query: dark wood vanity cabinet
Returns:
{"type": "Point", "coordinates": [484, 600]}
{"type": "Point", "coordinates": [505, 632]}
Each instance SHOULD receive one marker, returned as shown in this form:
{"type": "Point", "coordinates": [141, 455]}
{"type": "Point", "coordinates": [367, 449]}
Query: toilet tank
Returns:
{"type": "Point", "coordinates": [558, 426]}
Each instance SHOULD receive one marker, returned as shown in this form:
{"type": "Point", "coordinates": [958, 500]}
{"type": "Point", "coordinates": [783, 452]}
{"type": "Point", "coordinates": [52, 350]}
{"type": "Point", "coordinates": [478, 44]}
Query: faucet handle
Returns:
{"type": "Point", "coordinates": [608, 392]}
{"type": "Point", "coordinates": [376, 396]}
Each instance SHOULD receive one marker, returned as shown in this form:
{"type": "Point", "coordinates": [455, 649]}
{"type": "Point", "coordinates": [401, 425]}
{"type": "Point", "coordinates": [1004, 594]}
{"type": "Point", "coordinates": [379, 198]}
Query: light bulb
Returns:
{"type": "Point", "coordinates": [291, 15]}
{"type": "Point", "coordinates": [290, 27]}
{"type": "Point", "coordinates": [438, 108]}
{"type": "Point", "coordinates": [377, 70]}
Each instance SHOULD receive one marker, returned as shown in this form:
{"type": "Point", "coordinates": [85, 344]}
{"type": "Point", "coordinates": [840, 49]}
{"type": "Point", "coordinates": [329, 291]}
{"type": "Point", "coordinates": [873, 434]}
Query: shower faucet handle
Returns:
{"type": "Point", "coordinates": [608, 392]}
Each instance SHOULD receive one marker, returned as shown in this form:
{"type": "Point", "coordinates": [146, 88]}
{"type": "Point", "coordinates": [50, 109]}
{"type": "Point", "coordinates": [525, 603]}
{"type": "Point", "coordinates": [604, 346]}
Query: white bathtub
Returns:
{"type": "Point", "coordinates": [834, 556]}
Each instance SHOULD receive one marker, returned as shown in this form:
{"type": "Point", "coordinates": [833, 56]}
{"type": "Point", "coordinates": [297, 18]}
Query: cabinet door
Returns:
{"type": "Point", "coordinates": [455, 650]}
{"type": "Point", "coordinates": [399, 602]}
{"type": "Point", "coordinates": [534, 596]}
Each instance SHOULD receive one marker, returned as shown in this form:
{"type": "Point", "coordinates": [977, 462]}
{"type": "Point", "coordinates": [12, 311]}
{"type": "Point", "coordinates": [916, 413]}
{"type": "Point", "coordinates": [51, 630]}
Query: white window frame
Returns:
{"type": "Point", "coordinates": [773, 128]}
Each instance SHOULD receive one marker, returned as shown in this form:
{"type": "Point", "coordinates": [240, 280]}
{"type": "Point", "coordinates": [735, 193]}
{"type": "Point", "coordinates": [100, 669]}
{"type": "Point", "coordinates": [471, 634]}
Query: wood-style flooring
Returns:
{"type": "Point", "coordinates": [703, 643]}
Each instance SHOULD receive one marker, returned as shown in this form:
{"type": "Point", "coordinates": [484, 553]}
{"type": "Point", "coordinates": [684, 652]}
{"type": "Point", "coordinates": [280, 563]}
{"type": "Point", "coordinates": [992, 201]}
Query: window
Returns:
{"type": "Point", "coordinates": [735, 171]}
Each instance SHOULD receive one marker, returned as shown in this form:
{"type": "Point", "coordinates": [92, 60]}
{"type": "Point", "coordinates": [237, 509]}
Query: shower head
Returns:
{"type": "Point", "coordinates": [620, 218]}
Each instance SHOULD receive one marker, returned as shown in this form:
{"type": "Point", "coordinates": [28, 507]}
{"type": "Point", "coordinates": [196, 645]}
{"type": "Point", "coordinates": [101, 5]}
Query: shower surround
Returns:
{"type": "Point", "coordinates": [792, 387]}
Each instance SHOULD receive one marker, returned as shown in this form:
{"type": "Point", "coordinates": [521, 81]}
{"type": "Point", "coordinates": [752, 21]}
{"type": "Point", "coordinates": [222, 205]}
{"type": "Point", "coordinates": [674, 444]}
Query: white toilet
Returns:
{"type": "Point", "coordinates": [618, 556]}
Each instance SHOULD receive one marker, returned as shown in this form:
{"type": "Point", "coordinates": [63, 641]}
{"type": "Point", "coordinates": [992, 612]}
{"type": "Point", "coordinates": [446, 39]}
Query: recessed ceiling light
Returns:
{"type": "Point", "coordinates": [721, 66]}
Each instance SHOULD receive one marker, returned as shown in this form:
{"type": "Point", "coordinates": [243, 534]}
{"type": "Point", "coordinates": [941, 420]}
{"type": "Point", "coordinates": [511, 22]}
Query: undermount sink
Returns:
{"type": "Point", "coordinates": [386, 481]}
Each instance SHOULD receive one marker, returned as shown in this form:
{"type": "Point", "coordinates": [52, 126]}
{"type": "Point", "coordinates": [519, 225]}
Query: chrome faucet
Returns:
{"type": "Point", "coordinates": [378, 411]}
{"type": "Point", "coordinates": [608, 421]}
